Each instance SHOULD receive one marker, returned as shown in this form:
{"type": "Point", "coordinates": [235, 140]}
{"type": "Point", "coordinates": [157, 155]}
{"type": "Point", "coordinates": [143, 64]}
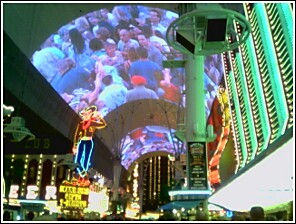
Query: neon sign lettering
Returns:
{"type": "Point", "coordinates": [51, 192]}
{"type": "Point", "coordinates": [73, 196]}
{"type": "Point", "coordinates": [32, 192]}
{"type": "Point", "coordinates": [13, 191]}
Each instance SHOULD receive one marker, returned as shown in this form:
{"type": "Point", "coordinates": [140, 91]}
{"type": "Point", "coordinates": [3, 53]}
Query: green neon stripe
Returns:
{"type": "Point", "coordinates": [286, 18]}
{"type": "Point", "coordinates": [249, 128]}
{"type": "Point", "coordinates": [240, 135]}
{"type": "Point", "coordinates": [260, 100]}
{"type": "Point", "coordinates": [234, 123]}
{"type": "Point", "coordinates": [273, 70]}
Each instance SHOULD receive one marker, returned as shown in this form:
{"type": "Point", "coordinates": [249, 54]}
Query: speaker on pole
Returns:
{"type": "Point", "coordinates": [184, 42]}
{"type": "Point", "coordinates": [216, 30]}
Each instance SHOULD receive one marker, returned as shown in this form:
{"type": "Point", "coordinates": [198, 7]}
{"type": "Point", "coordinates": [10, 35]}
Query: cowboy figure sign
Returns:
{"type": "Point", "coordinates": [83, 142]}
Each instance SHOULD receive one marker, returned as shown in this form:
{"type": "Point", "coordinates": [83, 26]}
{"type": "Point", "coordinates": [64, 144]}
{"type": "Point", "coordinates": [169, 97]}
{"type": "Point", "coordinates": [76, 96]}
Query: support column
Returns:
{"type": "Point", "coordinates": [195, 120]}
{"type": "Point", "coordinates": [116, 178]}
{"type": "Point", "coordinates": [195, 124]}
{"type": "Point", "coordinates": [196, 129]}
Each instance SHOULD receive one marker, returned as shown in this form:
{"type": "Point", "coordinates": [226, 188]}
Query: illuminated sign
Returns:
{"type": "Point", "coordinates": [13, 193]}
{"type": "Point", "coordinates": [83, 143]}
{"type": "Point", "coordinates": [73, 196]}
{"type": "Point", "coordinates": [32, 192]}
{"type": "Point", "coordinates": [51, 193]}
{"type": "Point", "coordinates": [197, 166]}
{"type": "Point", "coordinates": [98, 202]}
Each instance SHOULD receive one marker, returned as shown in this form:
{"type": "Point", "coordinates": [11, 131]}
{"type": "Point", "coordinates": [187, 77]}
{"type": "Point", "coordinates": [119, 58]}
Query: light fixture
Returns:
{"type": "Point", "coordinates": [7, 110]}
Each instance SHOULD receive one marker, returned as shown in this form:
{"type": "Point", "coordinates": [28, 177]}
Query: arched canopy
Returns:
{"type": "Point", "coordinates": [137, 114]}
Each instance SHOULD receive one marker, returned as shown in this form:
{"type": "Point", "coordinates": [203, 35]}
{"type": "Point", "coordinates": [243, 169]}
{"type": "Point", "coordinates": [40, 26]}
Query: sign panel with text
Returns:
{"type": "Point", "coordinates": [73, 196]}
{"type": "Point", "coordinates": [197, 165]}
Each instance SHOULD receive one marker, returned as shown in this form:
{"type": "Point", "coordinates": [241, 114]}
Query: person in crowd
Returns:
{"type": "Point", "coordinates": [171, 92]}
{"type": "Point", "coordinates": [30, 216]}
{"type": "Point", "coordinates": [6, 216]}
{"type": "Point", "coordinates": [78, 100]}
{"type": "Point", "coordinates": [157, 41]}
{"type": "Point", "coordinates": [113, 95]}
{"type": "Point", "coordinates": [111, 70]}
{"type": "Point", "coordinates": [155, 22]}
{"type": "Point", "coordinates": [150, 70]}
{"type": "Point", "coordinates": [154, 53]}
{"type": "Point", "coordinates": [123, 17]}
{"type": "Point", "coordinates": [124, 198]}
{"type": "Point", "coordinates": [126, 41]}
{"type": "Point", "coordinates": [201, 216]}
{"type": "Point", "coordinates": [57, 39]}
{"type": "Point", "coordinates": [103, 22]}
{"type": "Point", "coordinates": [80, 52]}
{"type": "Point", "coordinates": [141, 19]}
{"type": "Point", "coordinates": [51, 62]}
{"type": "Point", "coordinates": [282, 215]}
{"type": "Point", "coordinates": [102, 33]}
{"type": "Point", "coordinates": [257, 213]}
{"type": "Point", "coordinates": [133, 11]}
{"type": "Point", "coordinates": [107, 20]}
{"type": "Point", "coordinates": [82, 24]}
{"type": "Point", "coordinates": [79, 75]}
{"type": "Point", "coordinates": [45, 216]}
{"type": "Point", "coordinates": [178, 74]}
{"type": "Point", "coordinates": [139, 91]}
{"type": "Point", "coordinates": [132, 56]}
{"type": "Point", "coordinates": [97, 47]}
{"type": "Point", "coordinates": [134, 31]}
{"type": "Point", "coordinates": [66, 42]}
{"type": "Point", "coordinates": [83, 142]}
{"type": "Point", "coordinates": [168, 18]}
{"type": "Point", "coordinates": [88, 35]}
{"type": "Point", "coordinates": [92, 19]}
{"type": "Point", "coordinates": [80, 47]}
{"type": "Point", "coordinates": [100, 72]}
{"type": "Point", "coordinates": [106, 15]}
{"type": "Point", "coordinates": [137, 137]}
{"type": "Point", "coordinates": [114, 57]}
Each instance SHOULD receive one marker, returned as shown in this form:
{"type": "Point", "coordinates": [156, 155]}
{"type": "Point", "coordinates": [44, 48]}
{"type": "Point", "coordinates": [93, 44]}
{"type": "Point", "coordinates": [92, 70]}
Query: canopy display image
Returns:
{"type": "Point", "coordinates": [113, 58]}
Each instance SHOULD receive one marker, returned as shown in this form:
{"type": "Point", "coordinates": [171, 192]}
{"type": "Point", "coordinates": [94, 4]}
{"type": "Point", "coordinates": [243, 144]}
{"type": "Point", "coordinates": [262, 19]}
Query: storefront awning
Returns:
{"type": "Point", "coordinates": [187, 205]}
{"type": "Point", "coordinates": [32, 205]}
{"type": "Point", "coordinates": [180, 204]}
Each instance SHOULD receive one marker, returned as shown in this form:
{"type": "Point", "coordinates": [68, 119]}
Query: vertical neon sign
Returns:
{"type": "Point", "coordinates": [83, 142]}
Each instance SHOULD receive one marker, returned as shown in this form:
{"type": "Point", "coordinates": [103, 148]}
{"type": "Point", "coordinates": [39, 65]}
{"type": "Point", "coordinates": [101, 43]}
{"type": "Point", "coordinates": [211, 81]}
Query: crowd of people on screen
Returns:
{"type": "Point", "coordinates": [93, 60]}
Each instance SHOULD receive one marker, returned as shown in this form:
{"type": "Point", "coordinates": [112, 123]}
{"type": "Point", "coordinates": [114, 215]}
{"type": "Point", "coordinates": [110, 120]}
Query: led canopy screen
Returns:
{"type": "Point", "coordinates": [112, 56]}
